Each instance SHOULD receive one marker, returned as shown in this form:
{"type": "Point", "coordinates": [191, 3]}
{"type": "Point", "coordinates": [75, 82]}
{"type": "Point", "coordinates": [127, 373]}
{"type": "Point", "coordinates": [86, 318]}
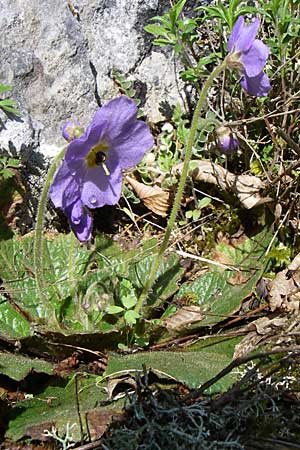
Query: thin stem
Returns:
{"type": "Point", "coordinates": [180, 189]}
{"type": "Point", "coordinates": [38, 237]}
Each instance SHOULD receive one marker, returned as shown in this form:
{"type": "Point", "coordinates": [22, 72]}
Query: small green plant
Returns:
{"type": "Point", "coordinates": [227, 15]}
{"type": "Point", "coordinates": [7, 166]}
{"type": "Point", "coordinates": [126, 87]}
{"type": "Point", "coordinates": [128, 299]}
{"type": "Point", "coordinates": [8, 105]}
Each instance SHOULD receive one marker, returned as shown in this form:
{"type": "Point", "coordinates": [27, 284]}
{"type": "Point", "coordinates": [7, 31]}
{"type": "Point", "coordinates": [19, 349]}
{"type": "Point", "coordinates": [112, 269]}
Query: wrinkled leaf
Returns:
{"type": "Point", "coordinates": [169, 273]}
{"type": "Point", "coordinates": [214, 291]}
{"type": "Point", "coordinates": [193, 367]}
{"type": "Point", "coordinates": [12, 323]}
{"type": "Point", "coordinates": [284, 289]}
{"type": "Point", "coordinates": [56, 406]}
{"type": "Point", "coordinates": [154, 198]}
{"type": "Point", "coordinates": [18, 367]}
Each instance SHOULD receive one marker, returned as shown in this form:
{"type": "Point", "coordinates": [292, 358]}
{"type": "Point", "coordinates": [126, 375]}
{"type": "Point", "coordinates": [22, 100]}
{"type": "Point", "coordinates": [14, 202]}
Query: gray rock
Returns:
{"type": "Point", "coordinates": [59, 57]}
{"type": "Point", "coordinates": [164, 88]}
{"type": "Point", "coordinates": [45, 57]}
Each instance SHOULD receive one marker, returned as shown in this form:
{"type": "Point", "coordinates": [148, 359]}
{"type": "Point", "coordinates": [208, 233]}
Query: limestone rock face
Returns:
{"type": "Point", "coordinates": [58, 55]}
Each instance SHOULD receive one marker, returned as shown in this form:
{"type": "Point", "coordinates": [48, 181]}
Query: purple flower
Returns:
{"type": "Point", "coordinates": [90, 175]}
{"type": "Point", "coordinates": [249, 55]}
{"type": "Point", "coordinates": [226, 140]}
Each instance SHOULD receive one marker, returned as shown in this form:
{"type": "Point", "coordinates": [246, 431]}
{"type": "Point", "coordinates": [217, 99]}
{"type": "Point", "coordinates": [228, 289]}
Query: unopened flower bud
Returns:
{"type": "Point", "coordinates": [226, 140]}
{"type": "Point", "coordinates": [72, 131]}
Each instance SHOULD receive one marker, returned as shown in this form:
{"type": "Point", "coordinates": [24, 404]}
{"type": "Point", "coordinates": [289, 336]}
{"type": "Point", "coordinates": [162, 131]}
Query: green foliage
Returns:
{"type": "Point", "coordinates": [34, 415]}
{"type": "Point", "coordinates": [171, 30]}
{"type": "Point", "coordinates": [220, 293]}
{"type": "Point", "coordinates": [192, 367]}
{"type": "Point", "coordinates": [17, 367]}
{"type": "Point", "coordinates": [88, 293]}
{"type": "Point", "coordinates": [195, 213]}
{"type": "Point", "coordinates": [7, 166]}
{"type": "Point", "coordinates": [126, 88]}
{"type": "Point", "coordinates": [280, 256]}
{"type": "Point", "coordinates": [8, 105]}
{"type": "Point", "coordinates": [227, 14]}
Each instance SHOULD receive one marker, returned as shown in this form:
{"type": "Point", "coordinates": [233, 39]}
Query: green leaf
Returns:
{"type": "Point", "coordinates": [204, 202]}
{"type": "Point", "coordinates": [157, 30]}
{"type": "Point", "coordinates": [5, 88]}
{"type": "Point", "coordinates": [162, 42]}
{"type": "Point", "coordinates": [13, 162]}
{"type": "Point", "coordinates": [12, 324]}
{"type": "Point", "coordinates": [193, 367]}
{"type": "Point", "coordinates": [9, 106]}
{"type": "Point", "coordinates": [169, 273]}
{"type": "Point", "coordinates": [114, 309]}
{"type": "Point", "coordinates": [60, 271]}
{"type": "Point", "coordinates": [6, 173]}
{"type": "Point", "coordinates": [127, 294]}
{"type": "Point", "coordinates": [219, 298]}
{"type": "Point", "coordinates": [176, 10]}
{"type": "Point", "coordinates": [131, 317]}
{"type": "Point", "coordinates": [18, 367]}
{"type": "Point", "coordinates": [129, 301]}
{"type": "Point", "coordinates": [56, 406]}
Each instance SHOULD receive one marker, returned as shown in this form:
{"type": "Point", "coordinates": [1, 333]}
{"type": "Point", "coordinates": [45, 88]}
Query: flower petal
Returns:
{"type": "Point", "coordinates": [64, 189]}
{"type": "Point", "coordinates": [80, 221]}
{"type": "Point", "coordinates": [258, 86]}
{"type": "Point", "coordinates": [235, 33]}
{"type": "Point", "coordinates": [118, 113]}
{"type": "Point", "coordinates": [99, 189]}
{"type": "Point", "coordinates": [247, 36]}
{"type": "Point", "coordinates": [228, 144]}
{"type": "Point", "coordinates": [255, 58]}
{"type": "Point", "coordinates": [129, 148]}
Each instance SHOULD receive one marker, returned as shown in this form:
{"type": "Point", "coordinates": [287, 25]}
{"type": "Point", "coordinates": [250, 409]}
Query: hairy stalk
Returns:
{"type": "Point", "coordinates": [182, 181]}
{"type": "Point", "coordinates": [71, 264]}
{"type": "Point", "coordinates": [38, 237]}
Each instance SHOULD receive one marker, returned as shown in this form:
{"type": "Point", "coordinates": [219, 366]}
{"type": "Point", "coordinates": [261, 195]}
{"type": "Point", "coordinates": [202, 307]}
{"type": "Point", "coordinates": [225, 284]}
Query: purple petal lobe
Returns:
{"type": "Point", "coordinates": [64, 189]}
{"type": "Point", "coordinates": [80, 221]}
{"type": "Point", "coordinates": [247, 36]}
{"type": "Point", "coordinates": [255, 58]}
{"type": "Point", "coordinates": [235, 33]}
{"type": "Point", "coordinates": [99, 189]}
{"type": "Point", "coordinates": [130, 146]}
{"type": "Point", "coordinates": [118, 113]}
{"type": "Point", "coordinates": [258, 86]}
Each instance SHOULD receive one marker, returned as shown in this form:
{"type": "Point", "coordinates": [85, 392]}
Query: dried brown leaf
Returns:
{"type": "Point", "coordinates": [245, 187]}
{"type": "Point", "coordinates": [261, 330]}
{"type": "Point", "coordinates": [119, 387]}
{"type": "Point", "coordinates": [284, 289]}
{"type": "Point", "coordinates": [99, 420]}
{"type": "Point", "coordinates": [240, 277]}
{"type": "Point", "coordinates": [153, 197]}
{"type": "Point", "coordinates": [184, 316]}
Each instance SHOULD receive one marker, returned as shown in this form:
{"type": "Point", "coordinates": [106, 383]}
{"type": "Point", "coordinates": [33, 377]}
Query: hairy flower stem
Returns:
{"type": "Point", "coordinates": [38, 237]}
{"type": "Point", "coordinates": [180, 189]}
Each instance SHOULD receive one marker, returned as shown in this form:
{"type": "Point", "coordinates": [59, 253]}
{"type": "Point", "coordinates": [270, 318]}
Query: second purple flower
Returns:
{"type": "Point", "coordinates": [248, 55]}
{"type": "Point", "coordinates": [90, 175]}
